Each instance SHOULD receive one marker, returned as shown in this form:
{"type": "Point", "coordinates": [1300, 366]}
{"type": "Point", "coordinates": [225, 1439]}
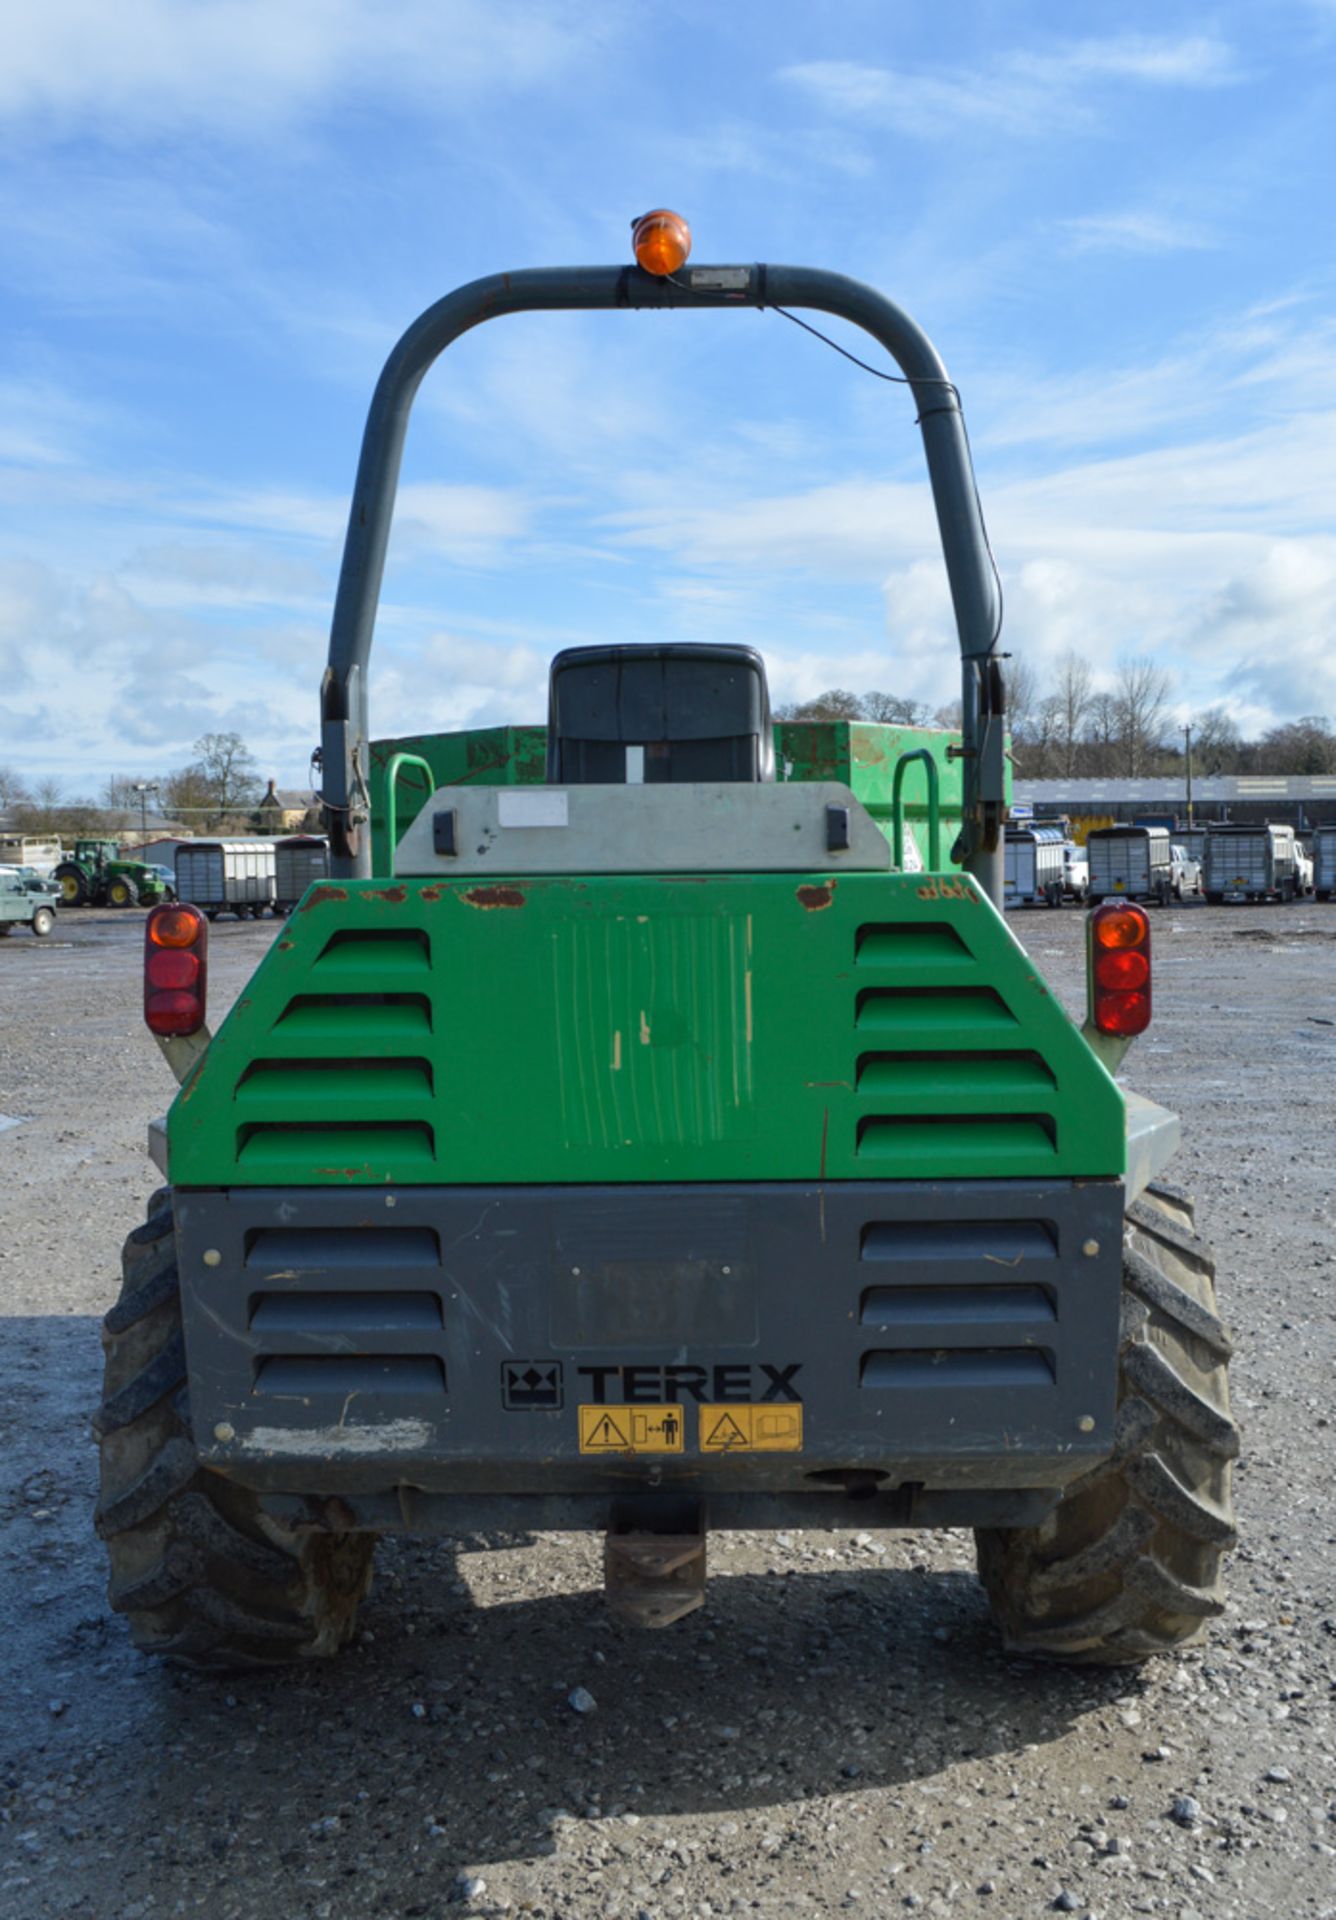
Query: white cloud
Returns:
{"type": "Point", "coordinates": [1136, 233]}
{"type": "Point", "coordinates": [145, 67]}
{"type": "Point", "coordinates": [1031, 93]}
{"type": "Point", "coordinates": [1195, 60]}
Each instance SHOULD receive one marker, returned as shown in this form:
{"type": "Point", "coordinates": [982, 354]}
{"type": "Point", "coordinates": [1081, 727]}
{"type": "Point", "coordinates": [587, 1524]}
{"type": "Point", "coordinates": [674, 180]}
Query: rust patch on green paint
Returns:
{"type": "Point", "coordinates": [814, 899]}
{"type": "Point", "coordinates": [431, 893]}
{"type": "Point", "coordinates": [321, 896]}
{"type": "Point", "coordinates": [495, 897]}
{"type": "Point", "coordinates": [395, 896]}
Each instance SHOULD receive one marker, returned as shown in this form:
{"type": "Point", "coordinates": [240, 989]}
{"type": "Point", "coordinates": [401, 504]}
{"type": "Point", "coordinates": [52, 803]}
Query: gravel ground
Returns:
{"type": "Point", "coordinates": [837, 1730]}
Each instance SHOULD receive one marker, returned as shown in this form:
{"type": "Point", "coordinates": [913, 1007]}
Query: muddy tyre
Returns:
{"type": "Point", "coordinates": [74, 887]}
{"type": "Point", "coordinates": [1129, 1563]}
{"type": "Point", "coordinates": [203, 1576]}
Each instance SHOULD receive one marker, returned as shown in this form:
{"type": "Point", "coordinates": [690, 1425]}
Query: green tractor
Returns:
{"type": "Point", "coordinates": [95, 875]}
{"type": "Point", "coordinates": [651, 1124]}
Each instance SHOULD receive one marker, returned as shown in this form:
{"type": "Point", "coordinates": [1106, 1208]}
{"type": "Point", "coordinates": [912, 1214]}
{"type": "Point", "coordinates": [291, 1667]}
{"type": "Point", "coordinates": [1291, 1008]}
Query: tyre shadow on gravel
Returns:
{"type": "Point", "coordinates": [445, 1733]}
{"type": "Point", "coordinates": [462, 1737]}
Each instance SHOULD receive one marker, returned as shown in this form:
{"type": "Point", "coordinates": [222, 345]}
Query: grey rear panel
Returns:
{"type": "Point", "coordinates": [939, 1334]}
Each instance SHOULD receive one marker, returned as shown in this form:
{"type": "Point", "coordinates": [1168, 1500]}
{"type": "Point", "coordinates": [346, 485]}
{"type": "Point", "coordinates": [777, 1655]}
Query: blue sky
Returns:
{"type": "Point", "coordinates": [1116, 222]}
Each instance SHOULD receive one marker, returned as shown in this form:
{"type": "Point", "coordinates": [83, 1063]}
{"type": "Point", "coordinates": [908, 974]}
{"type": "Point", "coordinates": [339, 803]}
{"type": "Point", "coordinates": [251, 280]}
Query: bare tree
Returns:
{"type": "Point", "coordinates": [1099, 741]}
{"type": "Point", "coordinates": [13, 788]}
{"type": "Point", "coordinates": [1046, 736]}
{"type": "Point", "coordinates": [894, 711]}
{"type": "Point", "coordinates": [1072, 693]}
{"type": "Point", "coordinates": [1307, 745]}
{"type": "Point", "coordinates": [47, 811]}
{"type": "Point", "coordinates": [187, 795]}
{"type": "Point", "coordinates": [836, 703]}
{"type": "Point", "coordinates": [1215, 743]}
{"type": "Point", "coordinates": [229, 767]}
{"type": "Point", "coordinates": [1141, 695]}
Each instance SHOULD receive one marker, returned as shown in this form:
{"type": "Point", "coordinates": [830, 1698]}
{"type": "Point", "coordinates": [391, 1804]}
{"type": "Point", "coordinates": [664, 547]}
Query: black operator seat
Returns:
{"type": "Point", "coordinates": [623, 715]}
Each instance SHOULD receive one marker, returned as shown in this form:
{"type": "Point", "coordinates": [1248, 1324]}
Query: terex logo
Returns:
{"type": "Point", "coordinates": [651, 1386]}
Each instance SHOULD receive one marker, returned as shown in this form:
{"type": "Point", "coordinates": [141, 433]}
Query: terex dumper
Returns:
{"type": "Point", "coordinates": [666, 1131]}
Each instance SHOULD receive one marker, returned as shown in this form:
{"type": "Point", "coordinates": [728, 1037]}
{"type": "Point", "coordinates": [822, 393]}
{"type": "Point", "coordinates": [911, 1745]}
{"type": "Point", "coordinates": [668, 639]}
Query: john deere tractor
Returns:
{"type": "Point", "coordinates": [651, 1124]}
{"type": "Point", "coordinates": [95, 875]}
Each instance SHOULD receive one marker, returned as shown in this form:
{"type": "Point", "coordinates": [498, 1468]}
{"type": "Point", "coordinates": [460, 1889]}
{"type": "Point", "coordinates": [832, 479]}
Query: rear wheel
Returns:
{"type": "Point", "coordinates": [74, 888]}
{"type": "Point", "coordinates": [205, 1578]}
{"type": "Point", "coordinates": [42, 922]}
{"type": "Point", "coordinates": [1129, 1563]}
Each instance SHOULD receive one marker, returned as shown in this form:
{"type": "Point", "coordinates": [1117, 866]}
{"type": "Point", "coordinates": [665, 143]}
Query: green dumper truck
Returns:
{"type": "Point", "coordinates": [651, 1125]}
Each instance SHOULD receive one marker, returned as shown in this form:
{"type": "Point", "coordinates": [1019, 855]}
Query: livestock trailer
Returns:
{"type": "Point", "coordinates": [227, 876]}
{"type": "Point", "coordinates": [1130, 863]}
{"type": "Point", "coordinates": [1251, 863]}
{"type": "Point", "coordinates": [1322, 845]}
{"type": "Point", "coordinates": [1035, 867]}
{"type": "Point", "coordinates": [298, 863]}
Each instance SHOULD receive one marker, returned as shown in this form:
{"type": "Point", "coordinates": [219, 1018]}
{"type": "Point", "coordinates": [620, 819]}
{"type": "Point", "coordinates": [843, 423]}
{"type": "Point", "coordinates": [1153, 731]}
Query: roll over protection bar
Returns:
{"type": "Point", "coordinates": [974, 590]}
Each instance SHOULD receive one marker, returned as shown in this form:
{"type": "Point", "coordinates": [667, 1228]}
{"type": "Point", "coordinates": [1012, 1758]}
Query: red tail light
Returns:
{"type": "Point", "coordinates": [176, 970]}
{"type": "Point", "coordinates": [1119, 938]}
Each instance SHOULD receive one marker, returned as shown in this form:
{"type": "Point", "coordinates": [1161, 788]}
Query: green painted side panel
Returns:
{"type": "Point", "coordinates": [483, 757]}
{"type": "Point", "coordinates": [861, 754]}
{"type": "Point", "coordinates": [646, 1028]}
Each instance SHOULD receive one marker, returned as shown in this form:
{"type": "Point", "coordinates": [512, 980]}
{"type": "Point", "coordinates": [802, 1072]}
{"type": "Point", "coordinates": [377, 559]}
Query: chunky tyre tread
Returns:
{"type": "Point", "coordinates": [167, 1474]}
{"type": "Point", "coordinates": [1147, 1283]}
{"type": "Point", "coordinates": [204, 1578]}
{"type": "Point", "coordinates": [1129, 1563]}
{"type": "Point", "coordinates": [1158, 1489]}
{"type": "Point", "coordinates": [153, 1292]}
{"type": "Point", "coordinates": [1147, 1368]}
{"type": "Point", "coordinates": [141, 1394]}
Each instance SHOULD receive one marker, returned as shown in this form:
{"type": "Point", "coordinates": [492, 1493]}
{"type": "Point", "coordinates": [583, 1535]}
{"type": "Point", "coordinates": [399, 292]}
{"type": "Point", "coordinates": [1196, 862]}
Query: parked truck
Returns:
{"type": "Point", "coordinates": [1130, 863]}
{"type": "Point", "coordinates": [648, 1142]}
{"type": "Point", "coordinates": [227, 876]}
{"type": "Point", "coordinates": [1323, 846]}
{"type": "Point", "coordinates": [1255, 862]}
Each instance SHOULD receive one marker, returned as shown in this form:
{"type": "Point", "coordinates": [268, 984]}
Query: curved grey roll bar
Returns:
{"type": "Point", "coordinates": [974, 590]}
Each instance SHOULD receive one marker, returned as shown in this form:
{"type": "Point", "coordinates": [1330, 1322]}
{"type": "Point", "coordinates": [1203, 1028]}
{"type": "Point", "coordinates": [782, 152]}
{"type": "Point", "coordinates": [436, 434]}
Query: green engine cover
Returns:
{"type": "Point", "coordinates": [731, 1027]}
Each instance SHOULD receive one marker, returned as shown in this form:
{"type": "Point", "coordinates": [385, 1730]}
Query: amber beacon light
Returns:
{"type": "Point", "coordinates": [662, 241]}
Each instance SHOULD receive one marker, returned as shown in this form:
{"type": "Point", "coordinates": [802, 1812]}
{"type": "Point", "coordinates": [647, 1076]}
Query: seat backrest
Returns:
{"type": "Point", "coordinates": [633, 714]}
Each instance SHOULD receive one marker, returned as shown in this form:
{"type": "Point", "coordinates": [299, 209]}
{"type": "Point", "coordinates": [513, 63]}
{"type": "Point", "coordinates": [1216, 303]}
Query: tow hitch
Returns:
{"type": "Point", "coordinates": [654, 1560]}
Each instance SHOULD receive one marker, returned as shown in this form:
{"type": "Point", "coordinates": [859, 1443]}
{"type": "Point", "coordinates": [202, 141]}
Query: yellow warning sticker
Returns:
{"type": "Point", "coordinates": [752, 1429]}
{"type": "Point", "coordinates": [631, 1429]}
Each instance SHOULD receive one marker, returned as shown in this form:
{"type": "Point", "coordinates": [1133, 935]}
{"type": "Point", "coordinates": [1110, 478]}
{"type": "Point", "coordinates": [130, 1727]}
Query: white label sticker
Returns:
{"type": "Point", "coordinates": [544, 807]}
{"type": "Point", "coordinates": [727, 278]}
